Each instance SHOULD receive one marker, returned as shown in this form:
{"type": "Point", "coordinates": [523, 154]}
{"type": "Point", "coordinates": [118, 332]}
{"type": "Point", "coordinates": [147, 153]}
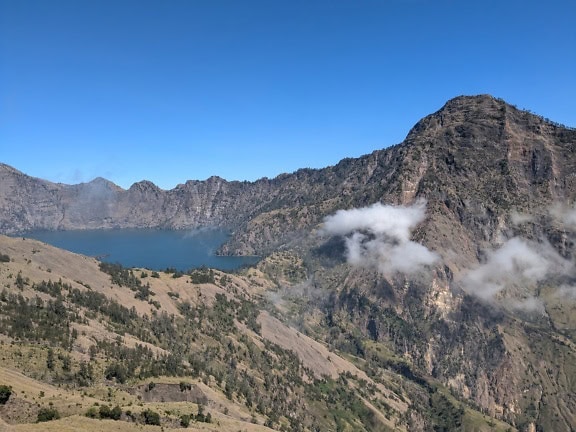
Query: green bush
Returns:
{"type": "Point", "coordinates": [92, 412]}
{"type": "Point", "coordinates": [5, 392]}
{"type": "Point", "coordinates": [47, 414]}
{"type": "Point", "coordinates": [104, 411]}
{"type": "Point", "coordinates": [116, 413]}
{"type": "Point", "coordinates": [185, 420]}
{"type": "Point", "coordinates": [151, 417]}
{"type": "Point", "coordinates": [110, 413]}
{"type": "Point", "coordinates": [116, 371]}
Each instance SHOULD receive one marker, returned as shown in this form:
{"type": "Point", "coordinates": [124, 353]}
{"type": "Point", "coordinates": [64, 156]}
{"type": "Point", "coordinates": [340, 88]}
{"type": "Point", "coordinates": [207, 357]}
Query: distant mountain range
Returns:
{"type": "Point", "coordinates": [453, 251]}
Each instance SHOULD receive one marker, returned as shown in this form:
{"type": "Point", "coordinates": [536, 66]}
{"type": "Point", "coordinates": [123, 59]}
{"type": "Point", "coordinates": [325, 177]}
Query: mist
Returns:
{"type": "Point", "coordinates": [566, 292]}
{"type": "Point", "coordinates": [517, 263]}
{"type": "Point", "coordinates": [378, 237]}
{"type": "Point", "coordinates": [564, 214]}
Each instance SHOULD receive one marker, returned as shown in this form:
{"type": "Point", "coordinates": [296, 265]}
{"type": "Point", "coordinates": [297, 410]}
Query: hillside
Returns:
{"type": "Point", "coordinates": [426, 286]}
{"type": "Point", "coordinates": [77, 339]}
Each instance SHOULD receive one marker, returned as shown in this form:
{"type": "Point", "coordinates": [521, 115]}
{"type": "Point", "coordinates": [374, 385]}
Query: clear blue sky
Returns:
{"type": "Point", "coordinates": [171, 90]}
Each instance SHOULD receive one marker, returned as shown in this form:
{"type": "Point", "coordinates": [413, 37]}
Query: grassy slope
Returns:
{"type": "Point", "coordinates": [24, 365]}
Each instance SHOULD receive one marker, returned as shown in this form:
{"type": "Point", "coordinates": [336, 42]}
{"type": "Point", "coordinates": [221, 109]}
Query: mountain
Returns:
{"type": "Point", "coordinates": [511, 157]}
{"type": "Point", "coordinates": [433, 282]}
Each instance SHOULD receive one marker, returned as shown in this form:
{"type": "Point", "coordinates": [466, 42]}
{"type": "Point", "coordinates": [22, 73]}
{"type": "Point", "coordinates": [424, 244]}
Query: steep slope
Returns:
{"type": "Point", "coordinates": [497, 182]}
{"type": "Point", "coordinates": [81, 342]}
{"type": "Point", "coordinates": [499, 188]}
{"type": "Point", "coordinates": [479, 159]}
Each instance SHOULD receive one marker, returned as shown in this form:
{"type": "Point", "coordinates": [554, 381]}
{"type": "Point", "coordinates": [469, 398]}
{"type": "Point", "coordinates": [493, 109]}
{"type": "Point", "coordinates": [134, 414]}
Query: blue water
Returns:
{"type": "Point", "coordinates": [148, 248]}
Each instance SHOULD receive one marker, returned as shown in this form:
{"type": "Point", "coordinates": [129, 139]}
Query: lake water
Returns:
{"type": "Point", "coordinates": [149, 248]}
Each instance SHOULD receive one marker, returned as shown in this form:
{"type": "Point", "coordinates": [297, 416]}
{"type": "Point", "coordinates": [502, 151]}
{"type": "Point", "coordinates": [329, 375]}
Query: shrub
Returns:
{"type": "Point", "coordinates": [151, 417]}
{"type": "Point", "coordinates": [5, 392]}
{"type": "Point", "coordinates": [116, 413]}
{"type": "Point", "coordinates": [104, 411]}
{"type": "Point", "coordinates": [116, 371]}
{"type": "Point", "coordinates": [47, 414]}
{"type": "Point", "coordinates": [185, 420]}
{"type": "Point", "coordinates": [92, 412]}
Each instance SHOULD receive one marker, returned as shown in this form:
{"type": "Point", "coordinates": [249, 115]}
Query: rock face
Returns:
{"type": "Point", "coordinates": [30, 203]}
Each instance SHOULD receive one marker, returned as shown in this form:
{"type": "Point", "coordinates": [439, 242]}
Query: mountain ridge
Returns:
{"type": "Point", "coordinates": [235, 204]}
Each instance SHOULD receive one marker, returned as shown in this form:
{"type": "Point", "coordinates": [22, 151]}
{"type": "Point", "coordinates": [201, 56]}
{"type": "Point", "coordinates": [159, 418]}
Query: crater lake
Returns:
{"type": "Point", "coordinates": [155, 249]}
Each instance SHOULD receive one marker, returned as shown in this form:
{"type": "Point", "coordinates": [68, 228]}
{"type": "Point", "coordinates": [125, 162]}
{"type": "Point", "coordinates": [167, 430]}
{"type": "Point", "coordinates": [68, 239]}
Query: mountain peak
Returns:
{"type": "Point", "coordinates": [484, 109]}
{"type": "Point", "coordinates": [463, 100]}
{"type": "Point", "coordinates": [144, 185]}
{"type": "Point", "coordinates": [101, 182]}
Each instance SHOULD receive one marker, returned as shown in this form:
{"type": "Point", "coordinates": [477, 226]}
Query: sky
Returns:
{"type": "Point", "coordinates": [175, 90]}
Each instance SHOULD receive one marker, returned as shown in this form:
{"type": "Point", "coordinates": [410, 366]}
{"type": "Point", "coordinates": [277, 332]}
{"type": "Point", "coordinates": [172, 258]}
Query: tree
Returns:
{"type": "Point", "coordinates": [47, 414]}
{"type": "Point", "coordinates": [185, 420]}
{"type": "Point", "coordinates": [50, 359]}
{"type": "Point", "coordinates": [66, 362]}
{"type": "Point", "coordinates": [116, 413]}
{"type": "Point", "coordinates": [104, 411]}
{"type": "Point", "coordinates": [107, 413]}
{"type": "Point", "coordinates": [151, 417]}
{"type": "Point", "coordinates": [85, 374]}
{"type": "Point", "coordinates": [185, 386]}
{"type": "Point", "coordinates": [116, 371]}
{"type": "Point", "coordinates": [5, 392]}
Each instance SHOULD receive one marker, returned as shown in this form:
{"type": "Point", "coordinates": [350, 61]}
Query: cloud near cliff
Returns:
{"type": "Point", "coordinates": [564, 214]}
{"type": "Point", "coordinates": [379, 236]}
{"type": "Point", "coordinates": [567, 292]}
{"type": "Point", "coordinates": [518, 266]}
{"type": "Point", "coordinates": [517, 263]}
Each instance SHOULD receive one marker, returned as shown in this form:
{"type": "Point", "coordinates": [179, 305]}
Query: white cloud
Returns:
{"type": "Point", "coordinates": [520, 218]}
{"type": "Point", "coordinates": [517, 263]}
{"type": "Point", "coordinates": [529, 304]}
{"type": "Point", "coordinates": [395, 221]}
{"type": "Point", "coordinates": [565, 214]}
{"type": "Point", "coordinates": [567, 292]}
{"type": "Point", "coordinates": [379, 236]}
